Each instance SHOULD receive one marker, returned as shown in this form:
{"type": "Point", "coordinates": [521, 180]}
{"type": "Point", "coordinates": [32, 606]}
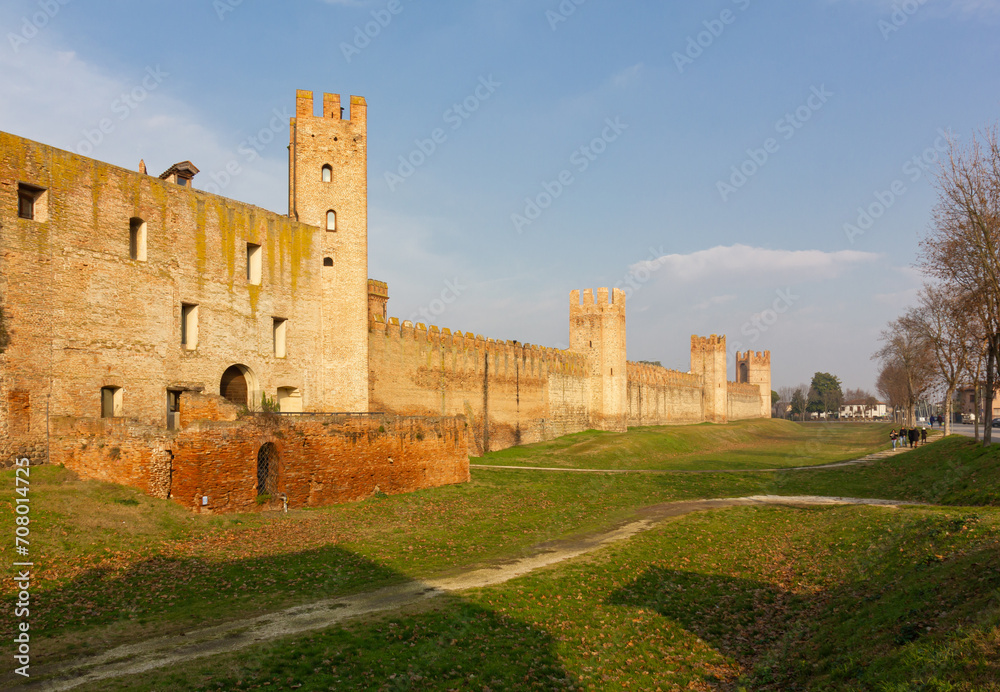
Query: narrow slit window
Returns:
{"type": "Point", "coordinates": [189, 326]}
{"type": "Point", "coordinates": [331, 220]}
{"type": "Point", "coordinates": [280, 331]}
{"type": "Point", "coordinates": [253, 263]}
{"type": "Point", "coordinates": [327, 173]}
{"type": "Point", "coordinates": [137, 239]}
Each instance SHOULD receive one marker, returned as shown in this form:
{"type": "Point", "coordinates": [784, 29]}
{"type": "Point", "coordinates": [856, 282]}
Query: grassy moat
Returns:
{"type": "Point", "coordinates": [755, 597]}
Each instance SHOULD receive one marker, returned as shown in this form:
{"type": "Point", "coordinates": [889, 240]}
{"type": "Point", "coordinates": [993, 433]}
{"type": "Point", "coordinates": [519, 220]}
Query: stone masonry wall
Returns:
{"type": "Point", "coordinates": [79, 314]}
{"type": "Point", "coordinates": [322, 459]}
{"type": "Point", "coordinates": [743, 401]}
{"type": "Point", "coordinates": [510, 393]}
{"type": "Point", "coordinates": [658, 396]}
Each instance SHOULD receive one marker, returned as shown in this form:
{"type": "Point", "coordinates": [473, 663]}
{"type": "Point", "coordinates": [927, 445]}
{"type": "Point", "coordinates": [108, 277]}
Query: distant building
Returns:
{"type": "Point", "coordinates": [859, 408]}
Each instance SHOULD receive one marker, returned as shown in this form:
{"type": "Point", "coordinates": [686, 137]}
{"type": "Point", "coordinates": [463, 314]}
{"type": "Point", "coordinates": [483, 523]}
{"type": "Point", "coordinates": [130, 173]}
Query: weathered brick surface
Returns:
{"type": "Point", "coordinates": [322, 459]}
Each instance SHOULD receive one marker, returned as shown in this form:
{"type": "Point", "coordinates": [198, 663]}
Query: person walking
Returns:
{"type": "Point", "coordinates": [893, 436]}
{"type": "Point", "coordinates": [913, 437]}
{"type": "Point", "coordinates": [923, 435]}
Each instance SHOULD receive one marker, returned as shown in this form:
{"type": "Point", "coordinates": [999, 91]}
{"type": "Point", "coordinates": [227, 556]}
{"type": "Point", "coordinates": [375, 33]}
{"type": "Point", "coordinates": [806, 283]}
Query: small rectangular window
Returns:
{"type": "Point", "coordinates": [31, 202]}
{"type": "Point", "coordinates": [189, 326]}
{"type": "Point", "coordinates": [111, 402]}
{"type": "Point", "coordinates": [280, 328]}
{"type": "Point", "coordinates": [253, 263]}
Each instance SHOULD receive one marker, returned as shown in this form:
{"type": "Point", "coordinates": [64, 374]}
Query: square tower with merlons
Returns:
{"type": "Point", "coordinates": [755, 368]}
{"type": "Point", "coordinates": [597, 329]}
{"type": "Point", "coordinates": [328, 188]}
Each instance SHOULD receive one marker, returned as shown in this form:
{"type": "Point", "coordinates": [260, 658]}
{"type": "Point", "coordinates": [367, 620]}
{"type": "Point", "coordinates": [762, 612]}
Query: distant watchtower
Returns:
{"type": "Point", "coordinates": [708, 359]}
{"type": "Point", "coordinates": [597, 329]}
{"type": "Point", "coordinates": [755, 368]}
{"type": "Point", "coordinates": [328, 188]}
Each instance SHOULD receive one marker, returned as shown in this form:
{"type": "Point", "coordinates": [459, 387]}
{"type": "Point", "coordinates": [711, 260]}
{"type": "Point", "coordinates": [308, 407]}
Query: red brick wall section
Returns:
{"type": "Point", "coordinates": [322, 459]}
{"type": "Point", "coordinates": [116, 450]}
{"type": "Point", "coordinates": [195, 406]}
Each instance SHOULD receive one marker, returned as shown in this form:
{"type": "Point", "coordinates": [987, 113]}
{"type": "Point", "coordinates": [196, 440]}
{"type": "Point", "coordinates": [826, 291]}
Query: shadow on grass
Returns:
{"type": "Point", "coordinates": [404, 642]}
{"type": "Point", "coordinates": [455, 646]}
{"type": "Point", "coordinates": [896, 623]}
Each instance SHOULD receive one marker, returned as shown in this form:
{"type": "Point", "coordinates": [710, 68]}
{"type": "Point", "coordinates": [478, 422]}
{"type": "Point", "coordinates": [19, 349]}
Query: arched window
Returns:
{"type": "Point", "coordinates": [327, 261]}
{"type": "Point", "coordinates": [331, 220]}
{"type": "Point", "coordinates": [267, 469]}
{"type": "Point", "coordinates": [137, 239]}
{"type": "Point", "coordinates": [744, 376]}
{"type": "Point", "coordinates": [327, 173]}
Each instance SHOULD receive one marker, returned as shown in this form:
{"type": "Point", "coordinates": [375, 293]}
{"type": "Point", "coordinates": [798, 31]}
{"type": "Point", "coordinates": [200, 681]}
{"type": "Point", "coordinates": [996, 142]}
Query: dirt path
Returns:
{"type": "Point", "coordinates": [877, 456]}
{"type": "Point", "coordinates": [239, 634]}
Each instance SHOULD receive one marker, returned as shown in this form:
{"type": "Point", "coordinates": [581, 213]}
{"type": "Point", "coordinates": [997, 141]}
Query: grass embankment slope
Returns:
{"type": "Point", "coordinates": [760, 597]}
{"type": "Point", "coordinates": [748, 445]}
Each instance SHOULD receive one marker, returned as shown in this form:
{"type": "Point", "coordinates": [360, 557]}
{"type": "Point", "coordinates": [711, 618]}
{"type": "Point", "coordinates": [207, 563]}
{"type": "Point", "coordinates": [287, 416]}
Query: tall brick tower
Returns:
{"type": "Point", "coordinates": [597, 329]}
{"type": "Point", "coordinates": [755, 368]}
{"type": "Point", "coordinates": [328, 188]}
{"type": "Point", "coordinates": [708, 359]}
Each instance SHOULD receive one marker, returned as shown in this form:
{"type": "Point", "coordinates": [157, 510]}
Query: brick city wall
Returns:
{"type": "Point", "coordinates": [744, 401]}
{"type": "Point", "coordinates": [321, 459]}
{"type": "Point", "coordinates": [658, 396]}
{"type": "Point", "coordinates": [510, 393]}
{"type": "Point", "coordinates": [79, 314]}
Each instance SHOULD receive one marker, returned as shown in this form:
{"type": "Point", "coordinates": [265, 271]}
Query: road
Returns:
{"type": "Point", "coordinates": [969, 431]}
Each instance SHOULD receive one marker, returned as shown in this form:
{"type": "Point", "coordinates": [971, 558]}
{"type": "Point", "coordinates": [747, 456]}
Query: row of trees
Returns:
{"type": "Point", "coordinates": [952, 337]}
{"type": "Point", "coordinates": [823, 396]}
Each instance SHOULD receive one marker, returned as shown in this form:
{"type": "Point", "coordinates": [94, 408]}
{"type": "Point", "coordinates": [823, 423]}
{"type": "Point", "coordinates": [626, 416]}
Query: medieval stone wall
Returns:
{"type": "Point", "coordinates": [658, 396]}
{"type": "Point", "coordinates": [510, 393]}
{"type": "Point", "coordinates": [320, 459]}
{"type": "Point", "coordinates": [743, 401]}
{"type": "Point", "coordinates": [81, 314]}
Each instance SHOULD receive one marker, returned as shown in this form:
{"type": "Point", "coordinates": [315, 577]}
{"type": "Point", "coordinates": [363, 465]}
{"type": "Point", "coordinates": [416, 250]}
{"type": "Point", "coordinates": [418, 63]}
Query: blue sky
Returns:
{"type": "Point", "coordinates": [704, 156]}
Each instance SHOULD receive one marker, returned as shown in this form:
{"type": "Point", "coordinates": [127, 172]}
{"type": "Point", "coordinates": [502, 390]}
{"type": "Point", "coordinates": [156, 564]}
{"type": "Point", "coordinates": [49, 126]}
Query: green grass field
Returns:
{"type": "Point", "coordinates": [744, 445]}
{"type": "Point", "coordinates": [754, 597]}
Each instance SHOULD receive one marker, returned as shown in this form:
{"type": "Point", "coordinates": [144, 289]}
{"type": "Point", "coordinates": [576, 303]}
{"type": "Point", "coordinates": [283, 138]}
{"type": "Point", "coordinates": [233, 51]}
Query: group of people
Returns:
{"type": "Point", "coordinates": [913, 436]}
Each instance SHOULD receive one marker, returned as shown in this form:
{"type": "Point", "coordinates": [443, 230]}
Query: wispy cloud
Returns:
{"type": "Point", "coordinates": [740, 261]}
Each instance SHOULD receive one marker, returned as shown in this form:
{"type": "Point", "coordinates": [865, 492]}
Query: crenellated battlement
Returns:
{"type": "Point", "coordinates": [758, 358]}
{"type": "Point", "coordinates": [751, 391]}
{"type": "Point", "coordinates": [613, 299]}
{"type": "Point", "coordinates": [406, 332]}
{"type": "Point", "coordinates": [708, 343]}
{"type": "Point", "coordinates": [647, 374]}
{"type": "Point", "coordinates": [304, 106]}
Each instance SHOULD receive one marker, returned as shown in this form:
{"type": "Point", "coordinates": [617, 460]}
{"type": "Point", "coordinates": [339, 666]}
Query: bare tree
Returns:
{"type": "Point", "coordinates": [963, 248]}
{"type": "Point", "coordinates": [941, 328]}
{"type": "Point", "coordinates": [906, 372]}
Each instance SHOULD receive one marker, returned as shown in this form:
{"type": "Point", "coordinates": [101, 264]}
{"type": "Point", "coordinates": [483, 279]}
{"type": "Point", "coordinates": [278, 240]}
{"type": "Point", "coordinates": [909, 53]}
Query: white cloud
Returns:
{"type": "Point", "coordinates": [627, 77]}
{"type": "Point", "coordinates": [715, 300]}
{"type": "Point", "coordinates": [742, 261]}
